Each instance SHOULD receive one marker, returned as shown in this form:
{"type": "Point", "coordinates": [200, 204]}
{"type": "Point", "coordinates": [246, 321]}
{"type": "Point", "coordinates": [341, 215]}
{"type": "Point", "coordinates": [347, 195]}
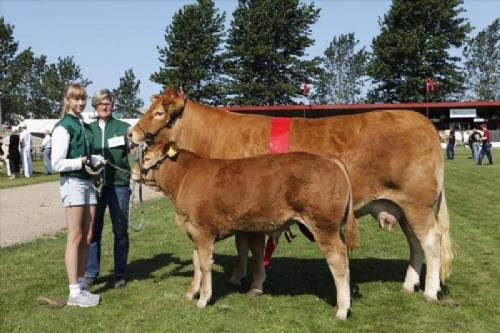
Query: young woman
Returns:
{"type": "Point", "coordinates": [71, 148]}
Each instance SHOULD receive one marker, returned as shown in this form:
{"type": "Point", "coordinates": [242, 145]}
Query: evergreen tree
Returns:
{"type": "Point", "coordinates": [414, 45]}
{"type": "Point", "coordinates": [192, 57]}
{"type": "Point", "coordinates": [343, 72]}
{"type": "Point", "coordinates": [266, 46]}
{"type": "Point", "coordinates": [482, 64]}
{"type": "Point", "coordinates": [127, 102]}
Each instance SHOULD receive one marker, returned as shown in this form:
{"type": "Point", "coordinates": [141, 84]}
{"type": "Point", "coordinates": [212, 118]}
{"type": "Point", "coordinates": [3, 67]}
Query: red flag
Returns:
{"type": "Point", "coordinates": [181, 92]}
{"type": "Point", "coordinates": [306, 89]}
{"type": "Point", "coordinates": [430, 85]}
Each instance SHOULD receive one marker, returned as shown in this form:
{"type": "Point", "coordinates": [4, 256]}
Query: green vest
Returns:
{"type": "Point", "coordinates": [113, 145]}
{"type": "Point", "coordinates": [80, 142]}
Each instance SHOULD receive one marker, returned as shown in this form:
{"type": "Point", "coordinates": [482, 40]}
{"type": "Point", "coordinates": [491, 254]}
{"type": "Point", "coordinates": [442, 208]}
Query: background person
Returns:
{"type": "Point", "coordinates": [46, 150]}
{"type": "Point", "coordinates": [486, 147]}
{"type": "Point", "coordinates": [111, 141]}
{"type": "Point", "coordinates": [450, 147]}
{"type": "Point", "coordinates": [3, 156]}
{"type": "Point", "coordinates": [14, 154]}
{"type": "Point", "coordinates": [475, 139]}
{"type": "Point", "coordinates": [71, 148]}
{"type": "Point", "coordinates": [26, 150]}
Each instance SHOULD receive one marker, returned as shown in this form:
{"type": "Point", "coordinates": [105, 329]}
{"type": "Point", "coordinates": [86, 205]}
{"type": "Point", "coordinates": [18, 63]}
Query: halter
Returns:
{"type": "Point", "coordinates": [154, 166]}
{"type": "Point", "coordinates": [149, 137]}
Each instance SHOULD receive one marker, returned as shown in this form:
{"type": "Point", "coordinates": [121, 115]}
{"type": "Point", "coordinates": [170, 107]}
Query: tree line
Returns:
{"type": "Point", "coordinates": [261, 60]}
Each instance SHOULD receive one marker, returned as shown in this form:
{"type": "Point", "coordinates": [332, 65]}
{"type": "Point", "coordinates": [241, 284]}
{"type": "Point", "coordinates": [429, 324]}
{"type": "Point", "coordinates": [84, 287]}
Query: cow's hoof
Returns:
{"type": "Point", "coordinates": [341, 315]}
{"type": "Point", "coordinates": [201, 304]}
{"type": "Point", "coordinates": [235, 281]}
{"type": "Point", "coordinates": [410, 289]}
{"type": "Point", "coordinates": [190, 295]}
{"type": "Point", "coordinates": [255, 292]}
{"type": "Point", "coordinates": [431, 298]}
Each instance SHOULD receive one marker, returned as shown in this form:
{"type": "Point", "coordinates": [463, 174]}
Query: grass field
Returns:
{"type": "Point", "coordinates": [39, 176]}
{"type": "Point", "coordinates": [300, 295]}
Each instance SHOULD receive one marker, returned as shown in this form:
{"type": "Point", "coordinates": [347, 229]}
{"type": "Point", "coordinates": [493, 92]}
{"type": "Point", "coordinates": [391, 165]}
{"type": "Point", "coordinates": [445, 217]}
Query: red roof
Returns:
{"type": "Point", "coordinates": [420, 107]}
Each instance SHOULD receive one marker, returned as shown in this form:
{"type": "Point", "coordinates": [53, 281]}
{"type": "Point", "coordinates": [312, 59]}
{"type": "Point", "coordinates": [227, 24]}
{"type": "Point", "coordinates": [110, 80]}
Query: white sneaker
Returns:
{"type": "Point", "coordinates": [83, 300]}
{"type": "Point", "coordinates": [92, 296]}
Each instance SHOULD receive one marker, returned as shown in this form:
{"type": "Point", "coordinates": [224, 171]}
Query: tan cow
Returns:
{"type": "Point", "coordinates": [214, 199]}
{"type": "Point", "coordinates": [394, 159]}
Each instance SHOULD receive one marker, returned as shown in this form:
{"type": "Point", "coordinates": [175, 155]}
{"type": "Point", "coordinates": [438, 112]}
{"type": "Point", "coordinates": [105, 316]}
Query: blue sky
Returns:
{"type": "Point", "coordinates": [108, 37]}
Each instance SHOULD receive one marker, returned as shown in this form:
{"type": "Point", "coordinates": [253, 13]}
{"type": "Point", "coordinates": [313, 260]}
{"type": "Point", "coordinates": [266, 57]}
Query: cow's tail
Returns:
{"type": "Point", "coordinates": [447, 252]}
{"type": "Point", "coordinates": [351, 223]}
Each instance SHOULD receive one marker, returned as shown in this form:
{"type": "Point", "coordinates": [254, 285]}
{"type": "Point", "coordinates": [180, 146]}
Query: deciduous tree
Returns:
{"type": "Point", "coordinates": [482, 55]}
{"type": "Point", "coordinates": [343, 72]}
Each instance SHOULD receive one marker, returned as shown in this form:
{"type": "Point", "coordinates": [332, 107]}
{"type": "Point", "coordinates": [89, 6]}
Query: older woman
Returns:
{"type": "Point", "coordinates": [111, 141]}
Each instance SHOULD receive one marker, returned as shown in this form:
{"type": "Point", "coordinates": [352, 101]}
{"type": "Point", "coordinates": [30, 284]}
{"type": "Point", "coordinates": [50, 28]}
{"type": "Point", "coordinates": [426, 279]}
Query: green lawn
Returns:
{"type": "Point", "coordinates": [39, 176]}
{"type": "Point", "coordinates": [300, 295]}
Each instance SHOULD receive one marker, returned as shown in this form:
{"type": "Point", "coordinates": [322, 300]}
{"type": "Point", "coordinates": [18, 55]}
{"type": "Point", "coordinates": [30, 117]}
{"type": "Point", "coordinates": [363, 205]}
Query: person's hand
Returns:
{"type": "Point", "coordinates": [97, 161]}
{"type": "Point", "coordinates": [84, 160]}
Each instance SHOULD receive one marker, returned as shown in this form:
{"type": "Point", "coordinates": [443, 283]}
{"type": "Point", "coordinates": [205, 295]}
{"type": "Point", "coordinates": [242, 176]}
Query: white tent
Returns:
{"type": "Point", "coordinates": [39, 126]}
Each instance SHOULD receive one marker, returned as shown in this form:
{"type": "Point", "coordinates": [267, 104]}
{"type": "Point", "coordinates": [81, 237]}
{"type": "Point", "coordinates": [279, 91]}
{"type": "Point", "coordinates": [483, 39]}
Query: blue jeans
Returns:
{"type": "Point", "coordinates": [450, 151]}
{"type": "Point", "coordinates": [476, 147]}
{"type": "Point", "coordinates": [485, 150]}
{"type": "Point", "coordinates": [116, 198]}
{"type": "Point", "coordinates": [46, 160]}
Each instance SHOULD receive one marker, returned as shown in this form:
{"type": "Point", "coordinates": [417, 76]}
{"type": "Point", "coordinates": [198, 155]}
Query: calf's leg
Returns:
{"type": "Point", "coordinates": [205, 249]}
{"type": "Point", "coordinates": [335, 253]}
{"type": "Point", "coordinates": [194, 287]}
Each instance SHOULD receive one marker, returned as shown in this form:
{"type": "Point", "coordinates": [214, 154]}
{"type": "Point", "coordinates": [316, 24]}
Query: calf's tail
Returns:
{"type": "Point", "coordinates": [351, 223]}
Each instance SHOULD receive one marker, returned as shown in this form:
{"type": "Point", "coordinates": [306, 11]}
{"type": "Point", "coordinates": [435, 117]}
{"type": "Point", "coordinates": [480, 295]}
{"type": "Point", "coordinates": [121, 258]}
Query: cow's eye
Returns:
{"type": "Point", "coordinates": [147, 159]}
{"type": "Point", "coordinates": [159, 113]}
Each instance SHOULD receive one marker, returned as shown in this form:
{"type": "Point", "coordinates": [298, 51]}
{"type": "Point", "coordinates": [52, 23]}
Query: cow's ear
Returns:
{"type": "Point", "coordinates": [154, 98]}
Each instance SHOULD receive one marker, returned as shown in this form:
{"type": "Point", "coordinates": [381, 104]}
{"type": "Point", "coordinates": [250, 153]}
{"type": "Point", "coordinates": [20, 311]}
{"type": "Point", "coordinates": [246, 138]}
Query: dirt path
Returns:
{"type": "Point", "coordinates": [34, 211]}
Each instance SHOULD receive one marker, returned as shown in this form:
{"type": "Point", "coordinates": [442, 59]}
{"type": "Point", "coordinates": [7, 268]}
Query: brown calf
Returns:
{"type": "Point", "coordinates": [215, 199]}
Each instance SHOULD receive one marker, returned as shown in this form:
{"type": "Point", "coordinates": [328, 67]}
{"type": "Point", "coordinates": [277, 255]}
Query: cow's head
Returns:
{"type": "Point", "coordinates": [165, 109]}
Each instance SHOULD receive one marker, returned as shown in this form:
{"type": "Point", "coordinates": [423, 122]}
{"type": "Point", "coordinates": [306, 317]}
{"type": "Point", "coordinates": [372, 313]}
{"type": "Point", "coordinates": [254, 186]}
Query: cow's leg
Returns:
{"type": "Point", "coordinates": [205, 251]}
{"type": "Point", "coordinates": [194, 287]}
{"type": "Point", "coordinates": [412, 279]}
{"type": "Point", "coordinates": [240, 264]}
{"type": "Point", "coordinates": [422, 223]}
{"type": "Point", "coordinates": [256, 243]}
{"type": "Point", "coordinates": [335, 253]}
{"type": "Point", "coordinates": [388, 213]}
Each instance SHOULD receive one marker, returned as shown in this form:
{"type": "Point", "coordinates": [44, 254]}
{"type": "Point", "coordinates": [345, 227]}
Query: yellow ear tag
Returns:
{"type": "Point", "coordinates": [171, 152]}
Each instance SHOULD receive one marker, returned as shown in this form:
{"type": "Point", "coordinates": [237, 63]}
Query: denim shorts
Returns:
{"type": "Point", "coordinates": [76, 192]}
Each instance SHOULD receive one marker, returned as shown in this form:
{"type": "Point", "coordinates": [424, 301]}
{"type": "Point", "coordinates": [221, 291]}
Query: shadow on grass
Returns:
{"type": "Point", "coordinates": [285, 276]}
{"type": "Point", "coordinates": [143, 269]}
